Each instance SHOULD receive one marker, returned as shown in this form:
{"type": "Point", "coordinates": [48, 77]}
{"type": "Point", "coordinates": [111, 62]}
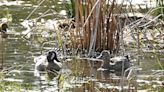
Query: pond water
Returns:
{"type": "Point", "coordinates": [78, 75]}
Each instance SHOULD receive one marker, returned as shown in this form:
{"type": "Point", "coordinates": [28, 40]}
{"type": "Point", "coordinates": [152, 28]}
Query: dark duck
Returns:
{"type": "Point", "coordinates": [3, 30]}
{"type": "Point", "coordinates": [115, 64]}
{"type": "Point", "coordinates": [48, 63]}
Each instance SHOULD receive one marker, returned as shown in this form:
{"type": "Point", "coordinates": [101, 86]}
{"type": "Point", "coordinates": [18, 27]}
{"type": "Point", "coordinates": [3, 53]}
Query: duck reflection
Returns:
{"type": "Point", "coordinates": [3, 35]}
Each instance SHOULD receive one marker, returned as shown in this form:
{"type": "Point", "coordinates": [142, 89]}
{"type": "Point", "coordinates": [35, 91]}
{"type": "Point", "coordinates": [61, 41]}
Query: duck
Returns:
{"type": "Point", "coordinates": [3, 30]}
{"type": "Point", "coordinates": [47, 63]}
{"type": "Point", "coordinates": [114, 64]}
{"type": "Point", "coordinates": [105, 56]}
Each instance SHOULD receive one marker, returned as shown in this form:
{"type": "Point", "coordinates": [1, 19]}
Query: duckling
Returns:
{"type": "Point", "coordinates": [48, 63]}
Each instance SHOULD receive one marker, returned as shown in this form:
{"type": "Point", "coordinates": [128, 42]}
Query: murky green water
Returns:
{"type": "Point", "coordinates": [19, 51]}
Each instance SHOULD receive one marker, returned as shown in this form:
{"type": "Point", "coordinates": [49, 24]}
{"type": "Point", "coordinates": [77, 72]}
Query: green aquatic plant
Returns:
{"type": "Point", "coordinates": [159, 9]}
{"type": "Point", "coordinates": [7, 85]}
{"type": "Point", "coordinates": [158, 62]}
{"type": "Point", "coordinates": [7, 15]}
{"type": "Point", "coordinates": [12, 86]}
{"type": "Point", "coordinates": [61, 81]}
{"type": "Point", "coordinates": [70, 7]}
{"type": "Point", "coordinates": [59, 39]}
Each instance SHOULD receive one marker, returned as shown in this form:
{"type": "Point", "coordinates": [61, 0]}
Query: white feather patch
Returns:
{"type": "Point", "coordinates": [53, 55]}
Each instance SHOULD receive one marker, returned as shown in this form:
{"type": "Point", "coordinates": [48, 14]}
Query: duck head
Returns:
{"type": "Point", "coordinates": [52, 56]}
{"type": "Point", "coordinates": [105, 55]}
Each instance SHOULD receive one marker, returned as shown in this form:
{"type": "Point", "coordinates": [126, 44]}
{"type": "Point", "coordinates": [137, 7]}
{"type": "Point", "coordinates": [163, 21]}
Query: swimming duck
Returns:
{"type": "Point", "coordinates": [114, 64]}
{"type": "Point", "coordinates": [105, 56]}
{"type": "Point", "coordinates": [3, 30]}
{"type": "Point", "coordinates": [48, 63]}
